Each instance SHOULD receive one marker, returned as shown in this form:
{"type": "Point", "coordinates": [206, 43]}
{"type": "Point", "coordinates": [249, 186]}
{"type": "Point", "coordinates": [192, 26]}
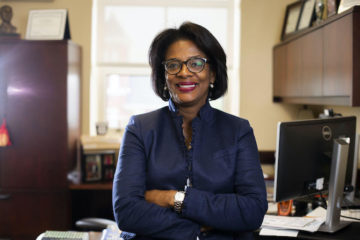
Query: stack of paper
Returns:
{"type": "Point", "coordinates": [289, 226]}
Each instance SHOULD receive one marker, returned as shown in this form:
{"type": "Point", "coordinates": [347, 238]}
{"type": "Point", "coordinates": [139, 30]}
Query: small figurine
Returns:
{"type": "Point", "coordinates": [6, 15]}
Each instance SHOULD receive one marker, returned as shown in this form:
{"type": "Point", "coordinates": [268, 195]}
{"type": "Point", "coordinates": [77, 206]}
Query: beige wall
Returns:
{"type": "Point", "coordinates": [80, 27]}
{"type": "Point", "coordinates": [261, 25]}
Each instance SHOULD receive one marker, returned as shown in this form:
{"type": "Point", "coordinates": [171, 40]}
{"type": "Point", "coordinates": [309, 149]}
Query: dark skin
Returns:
{"type": "Point", "coordinates": [188, 103]}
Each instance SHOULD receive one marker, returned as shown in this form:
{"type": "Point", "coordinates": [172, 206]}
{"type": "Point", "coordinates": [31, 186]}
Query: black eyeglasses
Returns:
{"type": "Point", "coordinates": [194, 65]}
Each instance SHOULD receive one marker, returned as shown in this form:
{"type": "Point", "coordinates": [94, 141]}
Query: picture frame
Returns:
{"type": "Point", "coordinates": [307, 14]}
{"type": "Point", "coordinates": [92, 168]}
{"type": "Point", "coordinates": [332, 6]}
{"type": "Point", "coordinates": [48, 24]}
{"type": "Point", "coordinates": [320, 11]}
{"type": "Point", "coordinates": [347, 4]}
{"type": "Point", "coordinates": [291, 20]}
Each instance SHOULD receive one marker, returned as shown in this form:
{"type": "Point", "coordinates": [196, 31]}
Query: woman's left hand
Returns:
{"type": "Point", "coordinates": [163, 198]}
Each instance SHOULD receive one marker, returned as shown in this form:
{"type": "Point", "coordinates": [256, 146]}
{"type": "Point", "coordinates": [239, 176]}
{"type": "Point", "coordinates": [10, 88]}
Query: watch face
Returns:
{"type": "Point", "coordinates": [179, 196]}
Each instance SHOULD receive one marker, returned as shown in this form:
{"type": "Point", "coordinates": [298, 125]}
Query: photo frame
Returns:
{"type": "Point", "coordinates": [332, 6]}
{"type": "Point", "coordinates": [307, 14]}
{"type": "Point", "coordinates": [48, 24]}
{"type": "Point", "coordinates": [320, 11]}
{"type": "Point", "coordinates": [291, 20]}
{"type": "Point", "coordinates": [92, 168]}
{"type": "Point", "coordinates": [347, 4]}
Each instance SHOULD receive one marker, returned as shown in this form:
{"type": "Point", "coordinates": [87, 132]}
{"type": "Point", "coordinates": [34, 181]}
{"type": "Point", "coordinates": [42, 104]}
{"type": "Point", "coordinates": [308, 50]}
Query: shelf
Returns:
{"type": "Point", "coordinates": [91, 186]}
{"type": "Point", "coordinates": [329, 20]}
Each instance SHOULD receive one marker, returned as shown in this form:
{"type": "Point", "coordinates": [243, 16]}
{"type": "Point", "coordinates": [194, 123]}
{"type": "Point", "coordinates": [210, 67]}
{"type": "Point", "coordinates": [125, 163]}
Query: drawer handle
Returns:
{"type": "Point", "coordinates": [4, 197]}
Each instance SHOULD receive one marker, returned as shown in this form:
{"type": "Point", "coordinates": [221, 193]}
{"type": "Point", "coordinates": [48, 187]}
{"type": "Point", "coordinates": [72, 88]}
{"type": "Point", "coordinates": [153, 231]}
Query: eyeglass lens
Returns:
{"type": "Point", "coordinates": [194, 65]}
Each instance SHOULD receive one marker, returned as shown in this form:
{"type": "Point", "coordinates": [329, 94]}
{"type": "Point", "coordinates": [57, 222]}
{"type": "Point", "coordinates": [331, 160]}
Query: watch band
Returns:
{"type": "Point", "coordinates": [178, 201]}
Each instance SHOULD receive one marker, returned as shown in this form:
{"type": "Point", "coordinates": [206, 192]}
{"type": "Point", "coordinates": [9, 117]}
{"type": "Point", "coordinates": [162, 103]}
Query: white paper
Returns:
{"type": "Point", "coordinates": [310, 224]}
{"type": "Point", "coordinates": [46, 24]}
{"type": "Point", "coordinates": [278, 232]}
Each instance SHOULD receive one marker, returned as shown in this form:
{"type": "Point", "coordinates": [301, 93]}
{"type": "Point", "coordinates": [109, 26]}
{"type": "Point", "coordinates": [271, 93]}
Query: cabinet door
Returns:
{"type": "Point", "coordinates": [25, 215]}
{"type": "Point", "coordinates": [338, 57]}
{"type": "Point", "coordinates": [293, 83]}
{"type": "Point", "coordinates": [312, 64]}
{"type": "Point", "coordinates": [35, 73]}
{"type": "Point", "coordinates": [279, 68]}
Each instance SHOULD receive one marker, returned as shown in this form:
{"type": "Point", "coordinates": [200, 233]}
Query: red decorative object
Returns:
{"type": "Point", "coordinates": [4, 135]}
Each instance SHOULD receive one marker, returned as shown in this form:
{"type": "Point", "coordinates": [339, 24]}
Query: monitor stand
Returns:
{"type": "Point", "coordinates": [336, 187]}
{"type": "Point", "coordinates": [350, 201]}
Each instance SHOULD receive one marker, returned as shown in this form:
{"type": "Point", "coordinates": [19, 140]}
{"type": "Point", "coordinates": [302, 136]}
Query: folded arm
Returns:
{"type": "Point", "coordinates": [240, 211]}
{"type": "Point", "coordinates": [132, 212]}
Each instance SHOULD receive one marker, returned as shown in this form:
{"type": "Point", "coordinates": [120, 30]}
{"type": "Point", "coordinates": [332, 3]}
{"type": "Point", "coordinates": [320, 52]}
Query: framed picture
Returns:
{"type": "Point", "coordinates": [48, 24]}
{"type": "Point", "coordinates": [307, 14]}
{"type": "Point", "coordinates": [320, 10]}
{"type": "Point", "coordinates": [331, 7]}
{"type": "Point", "coordinates": [347, 4]}
{"type": "Point", "coordinates": [291, 20]}
{"type": "Point", "coordinates": [92, 168]}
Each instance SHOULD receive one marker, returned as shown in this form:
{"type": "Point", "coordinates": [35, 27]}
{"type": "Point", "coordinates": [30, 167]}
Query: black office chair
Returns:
{"type": "Point", "coordinates": [94, 224]}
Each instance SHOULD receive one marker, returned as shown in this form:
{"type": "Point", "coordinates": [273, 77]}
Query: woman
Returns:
{"type": "Point", "coordinates": [188, 171]}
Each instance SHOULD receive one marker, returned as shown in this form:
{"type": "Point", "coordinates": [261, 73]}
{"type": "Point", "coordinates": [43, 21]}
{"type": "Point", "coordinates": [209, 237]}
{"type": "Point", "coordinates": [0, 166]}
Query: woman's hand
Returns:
{"type": "Point", "coordinates": [163, 198]}
{"type": "Point", "coordinates": [205, 229]}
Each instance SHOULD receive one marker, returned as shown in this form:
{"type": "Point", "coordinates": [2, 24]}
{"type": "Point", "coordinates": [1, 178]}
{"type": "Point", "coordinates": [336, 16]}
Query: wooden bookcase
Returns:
{"type": "Point", "coordinates": [41, 103]}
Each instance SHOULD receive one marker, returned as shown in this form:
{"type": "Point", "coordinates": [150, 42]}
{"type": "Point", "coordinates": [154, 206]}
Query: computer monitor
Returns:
{"type": "Point", "coordinates": [304, 153]}
{"type": "Point", "coordinates": [314, 156]}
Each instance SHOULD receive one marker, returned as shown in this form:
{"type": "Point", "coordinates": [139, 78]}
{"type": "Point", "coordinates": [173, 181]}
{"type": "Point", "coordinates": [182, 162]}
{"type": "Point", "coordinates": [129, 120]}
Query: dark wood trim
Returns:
{"type": "Point", "coordinates": [91, 186]}
{"type": "Point", "coordinates": [267, 157]}
{"type": "Point", "coordinates": [339, 100]}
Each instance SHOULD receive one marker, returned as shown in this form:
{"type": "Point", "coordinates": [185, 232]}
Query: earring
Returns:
{"type": "Point", "coordinates": [211, 85]}
{"type": "Point", "coordinates": [165, 92]}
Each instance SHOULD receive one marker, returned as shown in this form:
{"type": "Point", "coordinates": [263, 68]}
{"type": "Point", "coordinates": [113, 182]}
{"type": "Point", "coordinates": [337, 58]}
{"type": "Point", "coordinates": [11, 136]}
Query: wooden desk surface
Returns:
{"type": "Point", "coordinates": [94, 235]}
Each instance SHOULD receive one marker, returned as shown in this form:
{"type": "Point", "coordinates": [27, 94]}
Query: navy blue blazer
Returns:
{"type": "Point", "coordinates": [227, 189]}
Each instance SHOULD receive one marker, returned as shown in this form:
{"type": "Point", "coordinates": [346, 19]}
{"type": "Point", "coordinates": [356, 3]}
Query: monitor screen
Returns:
{"type": "Point", "coordinates": [304, 152]}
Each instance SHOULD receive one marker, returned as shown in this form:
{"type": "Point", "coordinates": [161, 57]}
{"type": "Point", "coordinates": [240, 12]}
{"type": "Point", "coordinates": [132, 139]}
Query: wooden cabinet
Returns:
{"type": "Point", "coordinates": [40, 98]}
{"type": "Point", "coordinates": [320, 65]}
{"type": "Point", "coordinates": [338, 57]}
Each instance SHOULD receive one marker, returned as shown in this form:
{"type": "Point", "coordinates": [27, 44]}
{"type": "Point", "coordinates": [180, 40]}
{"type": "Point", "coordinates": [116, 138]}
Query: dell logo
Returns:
{"type": "Point", "coordinates": [326, 132]}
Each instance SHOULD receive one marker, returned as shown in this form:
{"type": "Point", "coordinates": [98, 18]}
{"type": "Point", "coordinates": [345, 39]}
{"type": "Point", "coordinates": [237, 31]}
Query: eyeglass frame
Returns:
{"type": "Point", "coordinates": [185, 62]}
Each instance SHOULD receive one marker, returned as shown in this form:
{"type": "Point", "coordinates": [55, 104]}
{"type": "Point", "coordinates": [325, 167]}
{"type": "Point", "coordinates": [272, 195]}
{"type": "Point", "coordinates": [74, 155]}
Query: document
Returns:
{"type": "Point", "coordinates": [46, 24]}
{"type": "Point", "coordinates": [278, 232]}
{"type": "Point", "coordinates": [309, 224]}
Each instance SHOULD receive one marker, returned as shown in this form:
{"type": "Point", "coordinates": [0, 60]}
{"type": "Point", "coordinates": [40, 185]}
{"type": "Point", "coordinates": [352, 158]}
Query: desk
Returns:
{"type": "Point", "coordinates": [351, 232]}
{"type": "Point", "coordinates": [94, 235]}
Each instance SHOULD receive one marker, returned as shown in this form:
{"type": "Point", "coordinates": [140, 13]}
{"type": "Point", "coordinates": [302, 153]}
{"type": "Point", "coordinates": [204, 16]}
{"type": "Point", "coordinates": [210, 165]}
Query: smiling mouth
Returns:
{"type": "Point", "coordinates": [186, 86]}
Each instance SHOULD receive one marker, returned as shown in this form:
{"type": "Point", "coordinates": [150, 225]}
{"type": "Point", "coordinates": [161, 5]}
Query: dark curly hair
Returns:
{"type": "Point", "coordinates": [204, 40]}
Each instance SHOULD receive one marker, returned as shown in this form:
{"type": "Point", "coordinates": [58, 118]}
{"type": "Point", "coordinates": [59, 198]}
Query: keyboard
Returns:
{"type": "Point", "coordinates": [65, 235]}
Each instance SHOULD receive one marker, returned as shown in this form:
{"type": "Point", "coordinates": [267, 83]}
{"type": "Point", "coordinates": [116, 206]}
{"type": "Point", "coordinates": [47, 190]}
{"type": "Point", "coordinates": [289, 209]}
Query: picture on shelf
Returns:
{"type": "Point", "coordinates": [320, 11]}
{"type": "Point", "coordinates": [291, 20]}
{"type": "Point", "coordinates": [93, 168]}
{"type": "Point", "coordinates": [108, 166]}
{"type": "Point", "coordinates": [332, 6]}
{"type": "Point", "coordinates": [307, 14]}
{"type": "Point", "coordinates": [347, 4]}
